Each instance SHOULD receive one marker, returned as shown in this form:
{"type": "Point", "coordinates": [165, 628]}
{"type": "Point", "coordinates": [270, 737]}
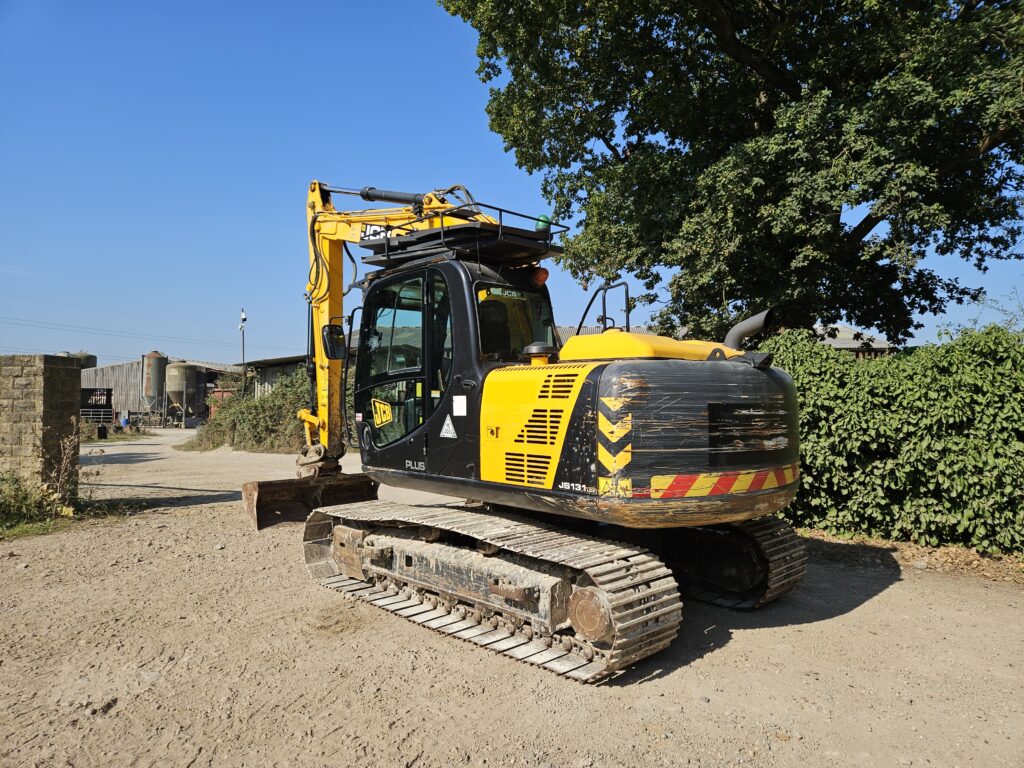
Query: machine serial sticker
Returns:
{"type": "Point", "coordinates": [577, 487]}
{"type": "Point", "coordinates": [458, 405]}
{"type": "Point", "coordinates": [448, 430]}
{"type": "Point", "coordinates": [381, 412]}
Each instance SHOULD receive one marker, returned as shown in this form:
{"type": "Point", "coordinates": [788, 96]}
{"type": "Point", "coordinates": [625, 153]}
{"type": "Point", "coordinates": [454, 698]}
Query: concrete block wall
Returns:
{"type": "Point", "coordinates": [40, 396]}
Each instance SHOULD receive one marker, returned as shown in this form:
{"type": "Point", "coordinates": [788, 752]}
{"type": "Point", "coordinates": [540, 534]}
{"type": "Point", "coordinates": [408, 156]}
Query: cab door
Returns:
{"type": "Point", "coordinates": [390, 395]}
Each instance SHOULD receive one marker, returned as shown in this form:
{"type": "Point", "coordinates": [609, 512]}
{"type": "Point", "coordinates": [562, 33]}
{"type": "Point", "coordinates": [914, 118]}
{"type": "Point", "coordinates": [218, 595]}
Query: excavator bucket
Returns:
{"type": "Point", "coordinates": [269, 502]}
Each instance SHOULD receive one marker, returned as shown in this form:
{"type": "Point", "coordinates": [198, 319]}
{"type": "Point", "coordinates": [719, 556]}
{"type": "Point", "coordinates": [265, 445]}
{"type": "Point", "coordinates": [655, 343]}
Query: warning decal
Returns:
{"type": "Point", "coordinates": [448, 430]}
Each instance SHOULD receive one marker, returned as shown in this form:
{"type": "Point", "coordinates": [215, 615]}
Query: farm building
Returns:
{"type": "Point", "coordinates": [861, 345]}
{"type": "Point", "coordinates": [267, 373]}
{"type": "Point", "coordinates": [155, 384]}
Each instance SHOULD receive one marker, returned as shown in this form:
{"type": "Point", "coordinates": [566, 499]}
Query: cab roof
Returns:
{"type": "Point", "coordinates": [470, 241]}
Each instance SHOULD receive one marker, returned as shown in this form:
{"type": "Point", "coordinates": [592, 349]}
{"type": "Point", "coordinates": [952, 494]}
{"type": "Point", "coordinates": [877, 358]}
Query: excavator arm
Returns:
{"type": "Point", "coordinates": [330, 232]}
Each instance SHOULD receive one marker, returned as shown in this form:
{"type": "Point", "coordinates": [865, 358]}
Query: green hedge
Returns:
{"type": "Point", "coordinates": [266, 424]}
{"type": "Point", "coordinates": [925, 445]}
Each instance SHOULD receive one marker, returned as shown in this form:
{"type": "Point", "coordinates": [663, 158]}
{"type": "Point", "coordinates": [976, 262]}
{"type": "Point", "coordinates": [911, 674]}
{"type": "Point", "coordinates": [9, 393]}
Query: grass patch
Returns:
{"type": "Point", "coordinates": [26, 511]}
{"type": "Point", "coordinates": [87, 433]}
{"type": "Point", "coordinates": [35, 528]}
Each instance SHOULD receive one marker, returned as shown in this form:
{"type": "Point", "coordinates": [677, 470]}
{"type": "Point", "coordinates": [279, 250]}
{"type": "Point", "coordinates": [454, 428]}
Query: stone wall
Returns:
{"type": "Point", "coordinates": [39, 400]}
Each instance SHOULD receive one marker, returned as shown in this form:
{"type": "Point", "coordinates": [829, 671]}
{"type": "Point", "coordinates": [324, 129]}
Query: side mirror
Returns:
{"type": "Point", "coordinates": [333, 337]}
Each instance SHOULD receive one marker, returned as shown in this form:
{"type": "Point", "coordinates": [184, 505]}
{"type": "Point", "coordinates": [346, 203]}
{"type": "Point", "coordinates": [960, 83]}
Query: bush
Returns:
{"type": "Point", "coordinates": [926, 445]}
{"type": "Point", "coordinates": [21, 504]}
{"type": "Point", "coordinates": [266, 424]}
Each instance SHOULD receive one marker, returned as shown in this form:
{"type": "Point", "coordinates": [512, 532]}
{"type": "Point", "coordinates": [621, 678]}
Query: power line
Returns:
{"type": "Point", "coordinates": [25, 323]}
{"type": "Point", "coordinates": [92, 308]}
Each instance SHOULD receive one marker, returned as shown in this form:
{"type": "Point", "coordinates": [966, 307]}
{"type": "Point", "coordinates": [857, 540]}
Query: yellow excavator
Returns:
{"type": "Point", "coordinates": [605, 475]}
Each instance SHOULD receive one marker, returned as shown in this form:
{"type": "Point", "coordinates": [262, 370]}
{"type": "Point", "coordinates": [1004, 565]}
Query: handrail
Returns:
{"type": "Point", "coordinates": [603, 292]}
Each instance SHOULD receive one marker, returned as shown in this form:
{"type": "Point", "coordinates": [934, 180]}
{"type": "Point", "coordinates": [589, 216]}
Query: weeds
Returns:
{"type": "Point", "coordinates": [266, 424]}
{"type": "Point", "coordinates": [27, 509]}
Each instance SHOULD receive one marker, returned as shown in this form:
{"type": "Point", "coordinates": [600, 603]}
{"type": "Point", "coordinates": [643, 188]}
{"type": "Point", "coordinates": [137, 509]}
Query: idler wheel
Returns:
{"type": "Point", "coordinates": [590, 614]}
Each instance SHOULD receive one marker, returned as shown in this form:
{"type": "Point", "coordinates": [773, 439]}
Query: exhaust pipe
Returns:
{"type": "Point", "coordinates": [747, 328]}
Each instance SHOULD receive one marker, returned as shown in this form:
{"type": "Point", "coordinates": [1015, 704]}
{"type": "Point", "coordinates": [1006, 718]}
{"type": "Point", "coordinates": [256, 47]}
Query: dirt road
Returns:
{"type": "Point", "coordinates": [179, 637]}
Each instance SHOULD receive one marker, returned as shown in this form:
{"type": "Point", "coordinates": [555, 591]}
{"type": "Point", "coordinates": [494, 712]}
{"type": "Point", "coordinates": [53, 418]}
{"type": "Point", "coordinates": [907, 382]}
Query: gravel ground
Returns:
{"type": "Point", "coordinates": [180, 637]}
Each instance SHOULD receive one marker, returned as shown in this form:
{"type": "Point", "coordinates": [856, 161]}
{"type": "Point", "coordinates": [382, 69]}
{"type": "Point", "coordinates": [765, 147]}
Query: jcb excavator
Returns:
{"type": "Point", "coordinates": [605, 475]}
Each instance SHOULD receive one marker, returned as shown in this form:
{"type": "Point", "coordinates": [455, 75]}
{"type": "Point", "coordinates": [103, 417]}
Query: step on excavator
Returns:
{"type": "Point", "coordinates": [606, 476]}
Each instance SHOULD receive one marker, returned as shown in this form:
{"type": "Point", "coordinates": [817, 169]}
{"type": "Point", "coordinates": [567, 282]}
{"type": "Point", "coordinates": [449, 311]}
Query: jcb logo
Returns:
{"type": "Point", "coordinates": [373, 232]}
{"type": "Point", "coordinates": [381, 412]}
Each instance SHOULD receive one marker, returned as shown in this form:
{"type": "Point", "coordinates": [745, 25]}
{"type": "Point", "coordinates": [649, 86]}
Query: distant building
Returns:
{"type": "Point", "coordinates": [565, 332]}
{"type": "Point", "coordinates": [270, 372]}
{"type": "Point", "coordinates": [154, 384]}
{"type": "Point", "coordinates": [861, 345]}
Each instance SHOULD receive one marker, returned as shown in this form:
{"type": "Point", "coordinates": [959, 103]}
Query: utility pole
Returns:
{"type": "Point", "coordinates": [241, 327]}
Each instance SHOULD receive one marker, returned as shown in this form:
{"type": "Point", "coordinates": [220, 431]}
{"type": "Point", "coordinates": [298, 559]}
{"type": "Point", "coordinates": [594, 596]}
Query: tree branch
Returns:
{"type": "Point", "coordinates": [863, 229]}
{"type": "Point", "coordinates": [993, 140]}
{"type": "Point", "coordinates": [869, 222]}
{"type": "Point", "coordinates": [723, 27]}
{"type": "Point", "coordinates": [611, 147]}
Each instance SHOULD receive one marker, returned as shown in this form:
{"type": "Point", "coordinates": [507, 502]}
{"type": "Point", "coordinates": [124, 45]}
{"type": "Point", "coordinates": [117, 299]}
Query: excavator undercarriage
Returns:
{"type": "Point", "coordinates": [577, 605]}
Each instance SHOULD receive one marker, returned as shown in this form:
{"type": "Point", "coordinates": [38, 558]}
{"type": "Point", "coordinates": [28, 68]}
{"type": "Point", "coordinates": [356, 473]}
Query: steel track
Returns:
{"type": "Point", "coordinates": [641, 592]}
{"type": "Point", "coordinates": [785, 562]}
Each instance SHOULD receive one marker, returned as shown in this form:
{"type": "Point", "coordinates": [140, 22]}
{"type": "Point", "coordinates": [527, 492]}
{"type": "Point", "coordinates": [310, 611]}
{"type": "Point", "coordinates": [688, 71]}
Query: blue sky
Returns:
{"type": "Point", "coordinates": [156, 158]}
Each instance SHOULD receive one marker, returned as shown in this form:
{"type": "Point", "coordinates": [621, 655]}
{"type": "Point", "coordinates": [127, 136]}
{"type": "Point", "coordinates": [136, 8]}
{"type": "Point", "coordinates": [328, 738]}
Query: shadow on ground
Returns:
{"type": "Point", "coordinates": [148, 496]}
{"type": "Point", "coordinates": [840, 578]}
{"type": "Point", "coordinates": [92, 460]}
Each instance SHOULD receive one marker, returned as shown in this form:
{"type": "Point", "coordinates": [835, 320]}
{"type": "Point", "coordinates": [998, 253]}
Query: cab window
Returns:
{"type": "Point", "coordinates": [391, 360]}
{"type": "Point", "coordinates": [511, 319]}
{"type": "Point", "coordinates": [395, 342]}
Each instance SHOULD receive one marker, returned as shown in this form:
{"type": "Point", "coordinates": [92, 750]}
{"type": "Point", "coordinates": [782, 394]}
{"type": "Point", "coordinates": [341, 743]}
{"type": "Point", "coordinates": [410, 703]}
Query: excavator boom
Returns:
{"type": "Point", "coordinates": [331, 233]}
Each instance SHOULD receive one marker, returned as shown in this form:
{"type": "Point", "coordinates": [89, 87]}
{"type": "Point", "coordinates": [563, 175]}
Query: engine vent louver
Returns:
{"type": "Point", "coordinates": [558, 386]}
{"type": "Point", "coordinates": [542, 427]}
{"type": "Point", "coordinates": [528, 468]}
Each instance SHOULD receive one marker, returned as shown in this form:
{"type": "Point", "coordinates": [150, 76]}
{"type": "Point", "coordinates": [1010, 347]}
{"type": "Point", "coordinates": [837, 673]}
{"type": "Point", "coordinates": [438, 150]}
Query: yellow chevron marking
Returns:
{"type": "Point", "coordinates": [614, 430]}
{"type": "Point", "coordinates": [615, 403]}
{"type": "Point", "coordinates": [770, 482]}
{"type": "Point", "coordinates": [612, 486]}
{"type": "Point", "coordinates": [742, 482]}
{"type": "Point", "coordinates": [790, 473]}
{"type": "Point", "coordinates": [614, 463]}
{"type": "Point", "coordinates": [703, 485]}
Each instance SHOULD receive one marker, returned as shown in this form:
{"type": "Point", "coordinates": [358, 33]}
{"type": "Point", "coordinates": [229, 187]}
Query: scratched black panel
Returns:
{"type": "Point", "coordinates": [577, 463]}
{"type": "Point", "coordinates": [690, 417]}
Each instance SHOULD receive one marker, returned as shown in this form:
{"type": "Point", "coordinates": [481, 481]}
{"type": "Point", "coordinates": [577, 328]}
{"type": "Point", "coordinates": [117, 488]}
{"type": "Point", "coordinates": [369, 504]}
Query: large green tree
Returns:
{"type": "Point", "coordinates": [802, 154]}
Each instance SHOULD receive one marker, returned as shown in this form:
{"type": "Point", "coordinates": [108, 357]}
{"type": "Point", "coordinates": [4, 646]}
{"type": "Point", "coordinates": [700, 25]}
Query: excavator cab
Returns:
{"type": "Point", "coordinates": [432, 328]}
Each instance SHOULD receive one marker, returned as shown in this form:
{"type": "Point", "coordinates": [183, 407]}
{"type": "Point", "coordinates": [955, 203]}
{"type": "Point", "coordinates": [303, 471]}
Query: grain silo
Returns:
{"type": "Point", "coordinates": [154, 368]}
{"type": "Point", "coordinates": [182, 387]}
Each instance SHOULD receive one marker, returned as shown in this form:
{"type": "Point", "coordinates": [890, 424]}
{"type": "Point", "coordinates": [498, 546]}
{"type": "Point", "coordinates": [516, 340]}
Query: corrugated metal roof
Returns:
{"type": "Point", "coordinates": [850, 338]}
{"type": "Point", "coordinates": [268, 362]}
